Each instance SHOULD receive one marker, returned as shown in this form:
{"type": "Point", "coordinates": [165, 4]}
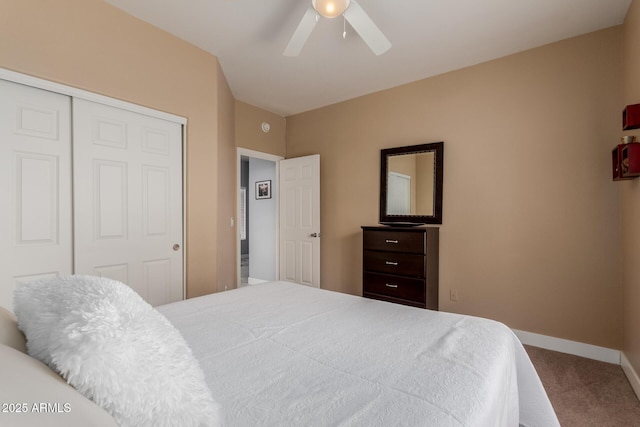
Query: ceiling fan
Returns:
{"type": "Point", "coordinates": [352, 12]}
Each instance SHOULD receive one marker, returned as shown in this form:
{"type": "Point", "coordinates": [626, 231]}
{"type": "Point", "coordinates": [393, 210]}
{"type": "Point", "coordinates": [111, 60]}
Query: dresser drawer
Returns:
{"type": "Point", "coordinates": [400, 265]}
{"type": "Point", "coordinates": [404, 288]}
{"type": "Point", "coordinates": [394, 241]}
{"type": "Point", "coordinates": [394, 263]}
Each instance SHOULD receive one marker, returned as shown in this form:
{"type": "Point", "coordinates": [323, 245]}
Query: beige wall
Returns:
{"type": "Point", "coordinates": [425, 164]}
{"type": "Point", "coordinates": [531, 232]}
{"type": "Point", "coordinates": [249, 132]}
{"type": "Point", "coordinates": [227, 260]}
{"type": "Point", "coordinates": [93, 46]}
{"type": "Point", "coordinates": [631, 199]}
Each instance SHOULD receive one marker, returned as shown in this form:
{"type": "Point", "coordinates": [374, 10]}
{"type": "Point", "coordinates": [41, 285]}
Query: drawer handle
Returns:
{"type": "Point", "coordinates": [391, 263]}
{"type": "Point", "coordinates": [391, 241]}
{"type": "Point", "coordinates": [390, 285]}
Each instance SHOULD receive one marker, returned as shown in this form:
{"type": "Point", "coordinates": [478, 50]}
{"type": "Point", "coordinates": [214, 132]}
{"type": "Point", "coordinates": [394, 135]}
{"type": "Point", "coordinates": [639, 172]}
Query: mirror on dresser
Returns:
{"type": "Point", "coordinates": [411, 184]}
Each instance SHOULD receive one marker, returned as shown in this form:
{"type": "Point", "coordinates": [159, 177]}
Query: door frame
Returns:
{"type": "Point", "coordinates": [73, 92]}
{"type": "Point", "coordinates": [240, 152]}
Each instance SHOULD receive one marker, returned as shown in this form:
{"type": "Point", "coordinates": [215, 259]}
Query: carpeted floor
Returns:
{"type": "Point", "coordinates": [586, 392]}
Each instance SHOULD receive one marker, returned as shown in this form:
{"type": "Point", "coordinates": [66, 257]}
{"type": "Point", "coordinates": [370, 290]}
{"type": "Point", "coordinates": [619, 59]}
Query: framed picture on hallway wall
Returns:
{"type": "Point", "coordinates": [263, 189]}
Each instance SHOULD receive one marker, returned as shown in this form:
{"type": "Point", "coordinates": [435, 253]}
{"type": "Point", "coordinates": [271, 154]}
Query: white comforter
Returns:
{"type": "Point", "coordinates": [281, 354]}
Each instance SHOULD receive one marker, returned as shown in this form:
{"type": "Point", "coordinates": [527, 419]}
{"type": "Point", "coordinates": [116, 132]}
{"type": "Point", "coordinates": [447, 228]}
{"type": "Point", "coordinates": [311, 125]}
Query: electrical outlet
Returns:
{"type": "Point", "coordinates": [453, 295]}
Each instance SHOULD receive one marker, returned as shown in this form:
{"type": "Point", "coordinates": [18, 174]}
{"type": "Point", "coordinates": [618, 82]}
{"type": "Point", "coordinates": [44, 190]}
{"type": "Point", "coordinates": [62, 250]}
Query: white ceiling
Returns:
{"type": "Point", "coordinates": [428, 37]}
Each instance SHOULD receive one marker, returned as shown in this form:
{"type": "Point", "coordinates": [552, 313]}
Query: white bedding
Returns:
{"type": "Point", "coordinates": [281, 354]}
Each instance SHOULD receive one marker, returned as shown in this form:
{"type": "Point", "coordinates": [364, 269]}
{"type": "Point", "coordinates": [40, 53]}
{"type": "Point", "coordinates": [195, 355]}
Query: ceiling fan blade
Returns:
{"type": "Point", "coordinates": [364, 26]}
{"type": "Point", "coordinates": [302, 33]}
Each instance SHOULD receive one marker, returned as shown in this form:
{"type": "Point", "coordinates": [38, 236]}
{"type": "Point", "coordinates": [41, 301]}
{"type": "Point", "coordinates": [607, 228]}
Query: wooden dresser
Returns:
{"type": "Point", "coordinates": [401, 265]}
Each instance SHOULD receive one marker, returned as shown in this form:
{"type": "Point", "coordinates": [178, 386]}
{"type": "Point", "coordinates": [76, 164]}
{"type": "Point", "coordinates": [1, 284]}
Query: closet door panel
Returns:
{"type": "Point", "coordinates": [128, 199]}
{"type": "Point", "coordinates": [35, 186]}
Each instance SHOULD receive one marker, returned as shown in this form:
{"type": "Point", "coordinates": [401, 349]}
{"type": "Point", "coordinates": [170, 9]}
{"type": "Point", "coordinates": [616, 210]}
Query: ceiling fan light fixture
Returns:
{"type": "Point", "coordinates": [330, 8]}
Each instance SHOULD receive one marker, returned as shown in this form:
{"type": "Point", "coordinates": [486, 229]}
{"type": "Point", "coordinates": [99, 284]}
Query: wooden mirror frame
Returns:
{"type": "Point", "coordinates": [407, 220]}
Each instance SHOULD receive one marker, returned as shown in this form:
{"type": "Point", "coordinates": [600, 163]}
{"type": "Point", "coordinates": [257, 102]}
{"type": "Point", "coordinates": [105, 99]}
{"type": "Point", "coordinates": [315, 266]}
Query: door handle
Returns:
{"type": "Point", "coordinates": [176, 247]}
{"type": "Point", "coordinates": [314, 235]}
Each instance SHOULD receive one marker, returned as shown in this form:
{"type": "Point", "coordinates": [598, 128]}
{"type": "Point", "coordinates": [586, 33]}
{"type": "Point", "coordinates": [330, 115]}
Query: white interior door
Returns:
{"type": "Point", "coordinates": [35, 186]}
{"type": "Point", "coordinates": [300, 220]}
{"type": "Point", "coordinates": [398, 194]}
{"type": "Point", "coordinates": [128, 199]}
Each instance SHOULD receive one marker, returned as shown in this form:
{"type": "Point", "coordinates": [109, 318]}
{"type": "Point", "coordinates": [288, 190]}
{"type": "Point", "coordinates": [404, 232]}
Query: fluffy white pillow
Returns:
{"type": "Point", "coordinates": [116, 349]}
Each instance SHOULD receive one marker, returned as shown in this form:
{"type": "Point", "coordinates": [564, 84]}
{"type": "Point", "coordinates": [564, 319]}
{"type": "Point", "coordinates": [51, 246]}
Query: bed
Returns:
{"type": "Point", "coordinates": [282, 354]}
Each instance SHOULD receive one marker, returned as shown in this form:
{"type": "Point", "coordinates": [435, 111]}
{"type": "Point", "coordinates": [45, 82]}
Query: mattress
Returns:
{"type": "Point", "coordinates": [282, 354]}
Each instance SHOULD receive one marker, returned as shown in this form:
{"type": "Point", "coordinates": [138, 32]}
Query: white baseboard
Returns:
{"type": "Point", "coordinates": [589, 351]}
{"type": "Point", "coordinates": [631, 374]}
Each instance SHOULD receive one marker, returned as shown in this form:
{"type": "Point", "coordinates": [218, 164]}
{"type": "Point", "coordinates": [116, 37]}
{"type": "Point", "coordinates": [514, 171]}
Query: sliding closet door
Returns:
{"type": "Point", "coordinates": [127, 179]}
{"type": "Point", "coordinates": [35, 186]}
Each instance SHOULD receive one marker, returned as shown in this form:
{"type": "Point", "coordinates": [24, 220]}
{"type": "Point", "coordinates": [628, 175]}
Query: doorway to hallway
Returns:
{"type": "Point", "coordinates": [257, 217]}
